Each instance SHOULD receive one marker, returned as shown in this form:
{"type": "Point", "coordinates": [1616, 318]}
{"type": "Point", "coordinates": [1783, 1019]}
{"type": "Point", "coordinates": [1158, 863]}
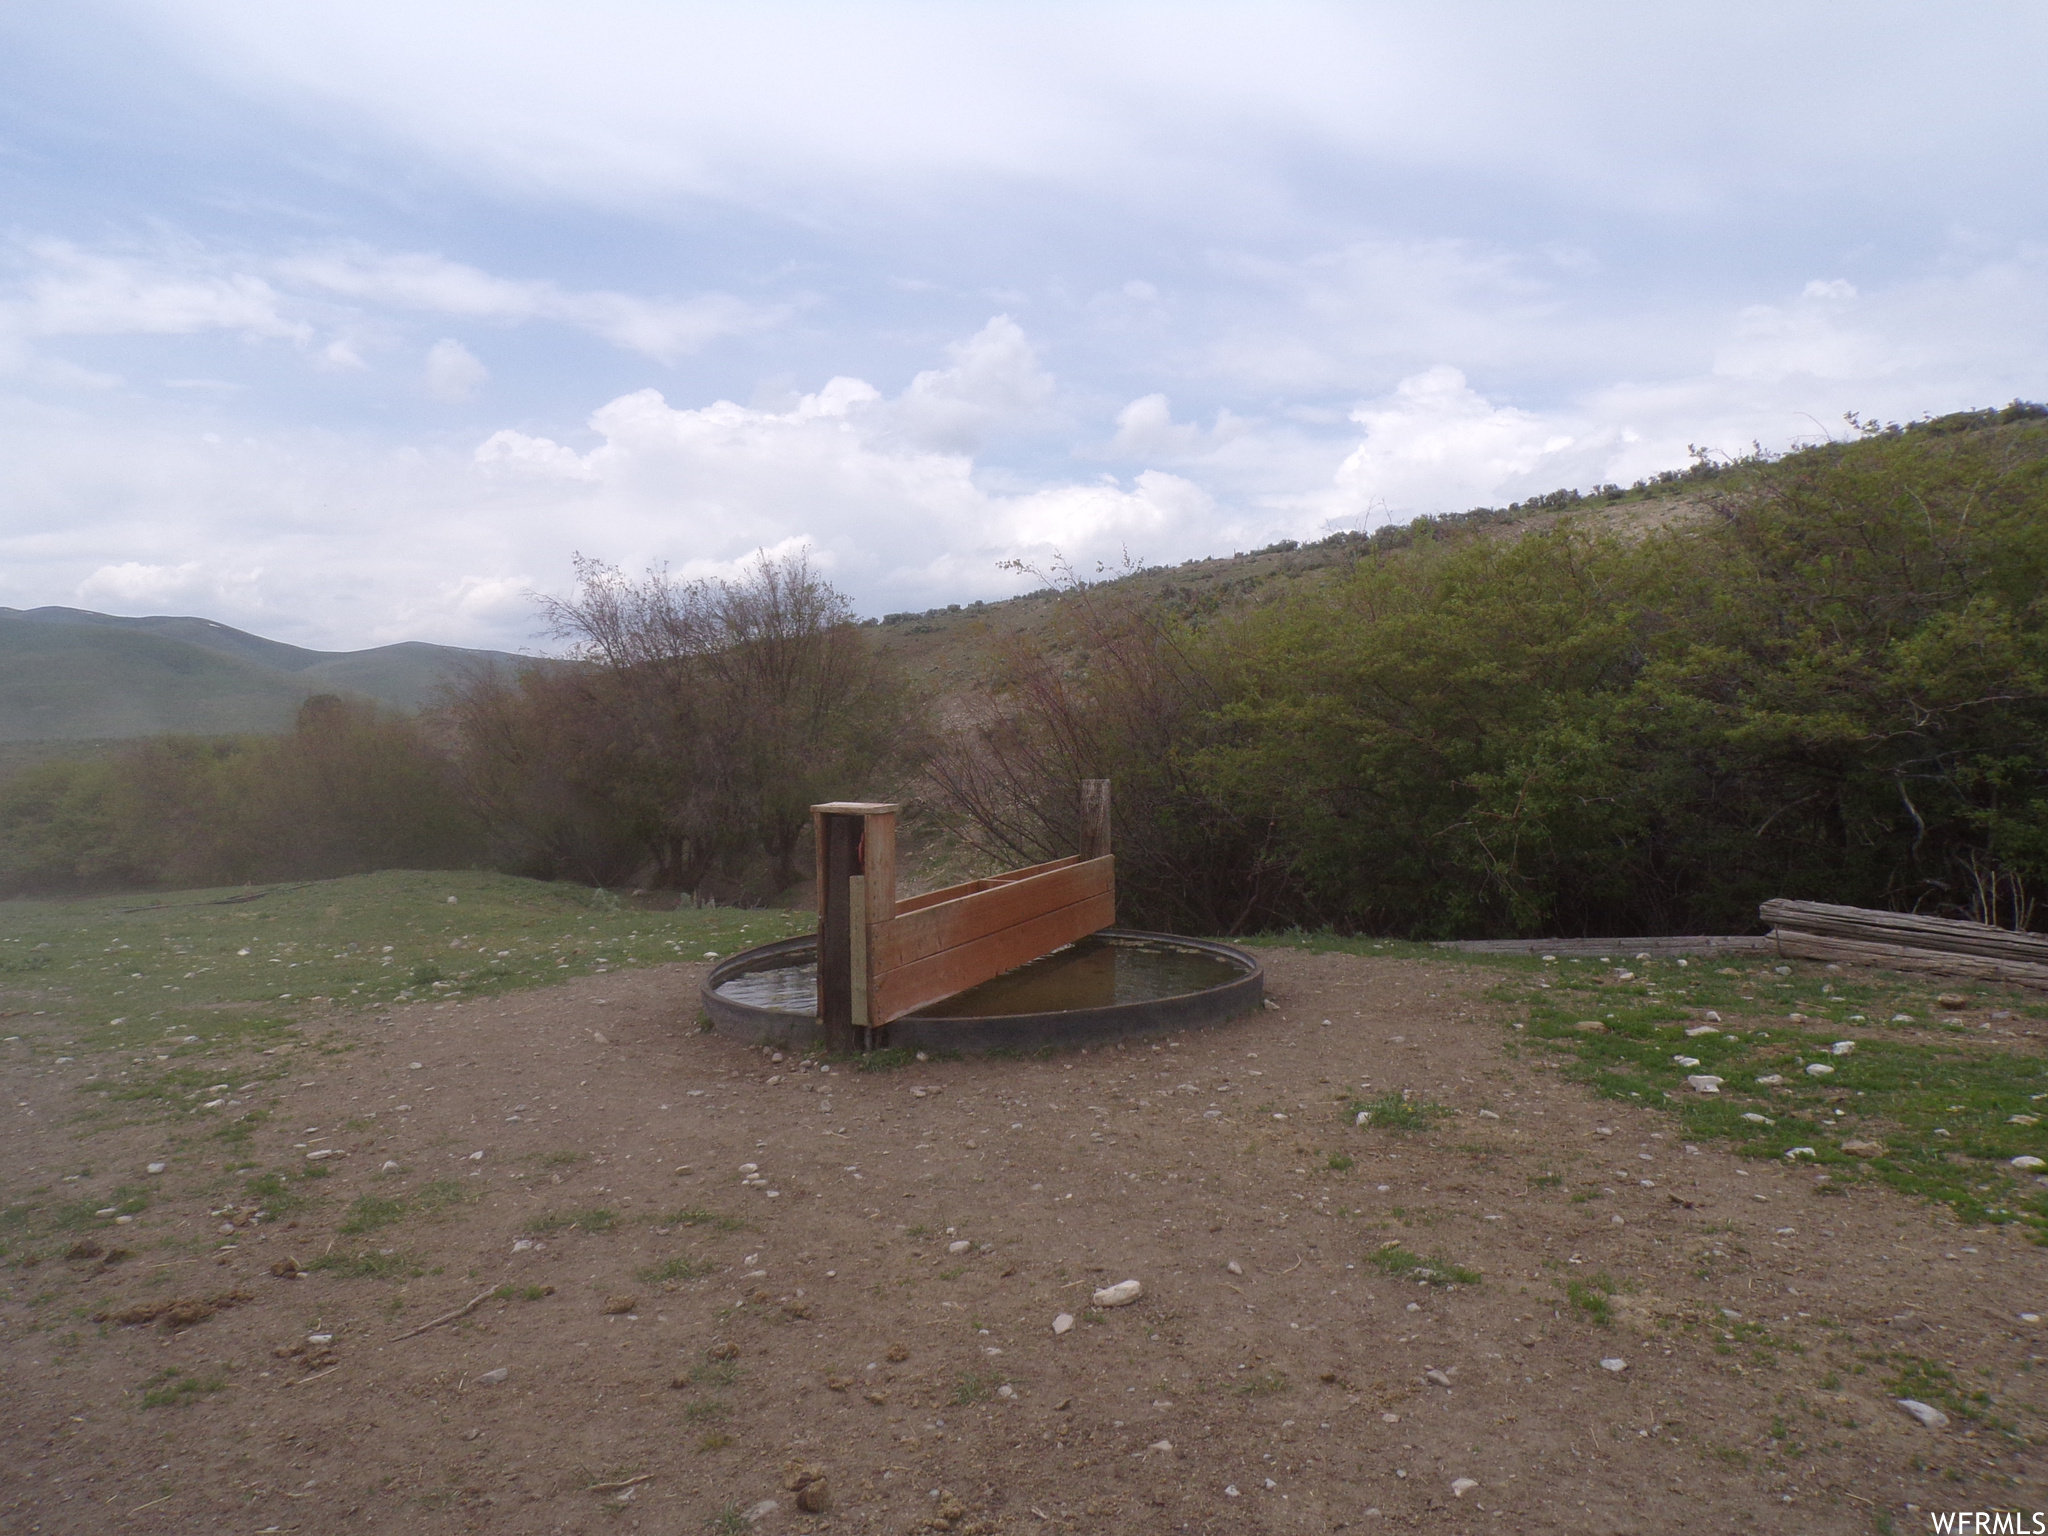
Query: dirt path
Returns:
{"type": "Point", "coordinates": [670, 1343]}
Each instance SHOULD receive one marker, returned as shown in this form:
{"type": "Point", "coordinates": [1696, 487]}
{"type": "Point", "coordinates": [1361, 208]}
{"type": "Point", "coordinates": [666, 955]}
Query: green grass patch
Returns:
{"type": "Point", "coordinates": [977, 1387]}
{"type": "Point", "coordinates": [892, 1058]}
{"type": "Point", "coordinates": [680, 1268]}
{"type": "Point", "coordinates": [368, 1264]}
{"type": "Point", "coordinates": [41, 1216]}
{"type": "Point", "coordinates": [597, 1219]}
{"type": "Point", "coordinates": [174, 1389]}
{"type": "Point", "coordinates": [709, 1410]}
{"type": "Point", "coordinates": [1267, 1383]}
{"type": "Point", "coordinates": [1341, 1163]}
{"type": "Point", "coordinates": [1394, 1112]}
{"type": "Point", "coordinates": [1594, 1297]}
{"type": "Point", "coordinates": [279, 1194]}
{"type": "Point", "coordinates": [714, 1373]}
{"type": "Point", "coordinates": [1929, 1381]}
{"type": "Point", "coordinates": [371, 1213]}
{"type": "Point", "coordinates": [437, 1197]}
{"type": "Point", "coordinates": [1400, 1263]}
{"type": "Point", "coordinates": [1945, 1120]}
{"type": "Point", "coordinates": [697, 1216]}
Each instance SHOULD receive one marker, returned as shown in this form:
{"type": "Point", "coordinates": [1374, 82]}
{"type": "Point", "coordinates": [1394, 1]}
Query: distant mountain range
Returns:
{"type": "Point", "coordinates": [67, 674]}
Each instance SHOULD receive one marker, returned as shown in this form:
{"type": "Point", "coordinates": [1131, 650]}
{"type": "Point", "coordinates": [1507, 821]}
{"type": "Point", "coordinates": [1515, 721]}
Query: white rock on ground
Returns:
{"type": "Point", "coordinates": [1703, 1082]}
{"type": "Point", "coordinates": [1459, 1485]}
{"type": "Point", "coordinates": [1615, 1364]}
{"type": "Point", "coordinates": [1122, 1294]}
{"type": "Point", "coordinates": [1063, 1322]}
{"type": "Point", "coordinates": [1931, 1416]}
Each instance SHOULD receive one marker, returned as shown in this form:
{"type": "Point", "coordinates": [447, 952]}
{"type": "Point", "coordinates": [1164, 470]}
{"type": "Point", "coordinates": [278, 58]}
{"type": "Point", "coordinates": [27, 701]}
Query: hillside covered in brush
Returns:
{"type": "Point", "coordinates": [1825, 676]}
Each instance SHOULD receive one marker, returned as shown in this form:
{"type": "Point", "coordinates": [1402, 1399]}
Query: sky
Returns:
{"type": "Point", "coordinates": [354, 324]}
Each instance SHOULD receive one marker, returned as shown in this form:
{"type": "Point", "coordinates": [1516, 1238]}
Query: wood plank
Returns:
{"type": "Point", "coordinates": [878, 864]}
{"type": "Point", "coordinates": [838, 856]}
{"type": "Point", "coordinates": [913, 936]}
{"type": "Point", "coordinates": [1899, 957]}
{"type": "Point", "coordinates": [860, 984]}
{"type": "Point", "coordinates": [940, 975]}
{"type": "Point", "coordinates": [1029, 870]}
{"type": "Point", "coordinates": [969, 887]}
{"type": "Point", "coordinates": [1930, 933]}
{"type": "Point", "coordinates": [935, 898]}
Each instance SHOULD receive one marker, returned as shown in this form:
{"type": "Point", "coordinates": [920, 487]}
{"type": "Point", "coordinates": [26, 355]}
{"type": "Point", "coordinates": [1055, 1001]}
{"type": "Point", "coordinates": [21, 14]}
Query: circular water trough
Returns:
{"type": "Point", "coordinates": [970, 1023]}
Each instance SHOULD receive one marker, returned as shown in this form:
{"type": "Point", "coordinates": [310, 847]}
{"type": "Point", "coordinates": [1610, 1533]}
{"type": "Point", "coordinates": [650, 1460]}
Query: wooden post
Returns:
{"type": "Point", "coordinates": [856, 845]}
{"type": "Point", "coordinates": [1094, 818]}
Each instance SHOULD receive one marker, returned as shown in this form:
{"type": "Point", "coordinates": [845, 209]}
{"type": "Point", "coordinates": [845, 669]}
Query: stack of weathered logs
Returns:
{"type": "Point", "coordinates": [1901, 941]}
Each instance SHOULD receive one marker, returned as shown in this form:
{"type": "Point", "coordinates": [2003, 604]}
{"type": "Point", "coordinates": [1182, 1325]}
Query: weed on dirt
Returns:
{"type": "Point", "coordinates": [1399, 1263]}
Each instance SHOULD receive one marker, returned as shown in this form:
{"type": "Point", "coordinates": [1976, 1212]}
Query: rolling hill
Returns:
{"type": "Point", "coordinates": [67, 674]}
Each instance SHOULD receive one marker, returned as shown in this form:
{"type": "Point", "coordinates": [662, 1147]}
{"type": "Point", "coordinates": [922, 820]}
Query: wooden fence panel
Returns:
{"type": "Point", "coordinates": [927, 980]}
{"type": "Point", "coordinates": [927, 931]}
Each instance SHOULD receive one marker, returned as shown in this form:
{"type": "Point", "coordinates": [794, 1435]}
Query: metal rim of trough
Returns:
{"type": "Point", "coordinates": [1006, 1032]}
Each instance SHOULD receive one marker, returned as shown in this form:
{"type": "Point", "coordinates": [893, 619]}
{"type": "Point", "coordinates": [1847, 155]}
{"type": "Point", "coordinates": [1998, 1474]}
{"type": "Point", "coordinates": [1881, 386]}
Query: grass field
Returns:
{"type": "Point", "coordinates": [196, 970]}
{"type": "Point", "coordinates": [1944, 1093]}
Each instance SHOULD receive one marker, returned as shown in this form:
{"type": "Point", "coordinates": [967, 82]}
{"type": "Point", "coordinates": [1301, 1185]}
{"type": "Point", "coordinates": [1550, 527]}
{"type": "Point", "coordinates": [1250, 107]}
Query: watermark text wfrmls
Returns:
{"type": "Point", "coordinates": [1989, 1522]}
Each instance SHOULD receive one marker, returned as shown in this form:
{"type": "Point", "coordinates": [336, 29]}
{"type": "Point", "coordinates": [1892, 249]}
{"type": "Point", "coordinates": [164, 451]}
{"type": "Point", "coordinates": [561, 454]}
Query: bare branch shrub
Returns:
{"type": "Point", "coordinates": [698, 724]}
{"type": "Point", "coordinates": [1119, 688]}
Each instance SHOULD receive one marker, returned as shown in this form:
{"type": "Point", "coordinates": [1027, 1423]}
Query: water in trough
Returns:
{"type": "Point", "coordinates": [1096, 972]}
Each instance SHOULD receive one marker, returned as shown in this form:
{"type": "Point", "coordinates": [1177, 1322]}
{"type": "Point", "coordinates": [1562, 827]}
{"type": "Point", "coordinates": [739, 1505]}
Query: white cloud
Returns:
{"type": "Point", "coordinates": [636, 103]}
{"type": "Point", "coordinates": [330, 301]}
{"type": "Point", "coordinates": [453, 372]}
{"type": "Point", "coordinates": [664, 329]}
{"type": "Point", "coordinates": [1436, 445]}
{"type": "Point", "coordinates": [994, 381]}
{"type": "Point", "coordinates": [1145, 429]}
{"type": "Point", "coordinates": [189, 585]}
{"type": "Point", "coordinates": [67, 291]}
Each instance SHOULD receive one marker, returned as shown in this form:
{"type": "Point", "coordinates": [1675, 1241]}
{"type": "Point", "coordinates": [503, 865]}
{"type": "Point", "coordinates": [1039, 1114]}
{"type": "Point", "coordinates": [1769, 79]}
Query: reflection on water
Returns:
{"type": "Point", "coordinates": [787, 989]}
{"type": "Point", "coordinates": [1095, 972]}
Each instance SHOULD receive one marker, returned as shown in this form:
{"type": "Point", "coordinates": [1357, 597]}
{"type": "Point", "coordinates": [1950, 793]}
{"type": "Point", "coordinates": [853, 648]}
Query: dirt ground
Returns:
{"type": "Point", "coordinates": [662, 1344]}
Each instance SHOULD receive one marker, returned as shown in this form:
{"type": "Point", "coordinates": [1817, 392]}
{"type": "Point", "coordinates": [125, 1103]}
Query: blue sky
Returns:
{"type": "Point", "coordinates": [350, 324]}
